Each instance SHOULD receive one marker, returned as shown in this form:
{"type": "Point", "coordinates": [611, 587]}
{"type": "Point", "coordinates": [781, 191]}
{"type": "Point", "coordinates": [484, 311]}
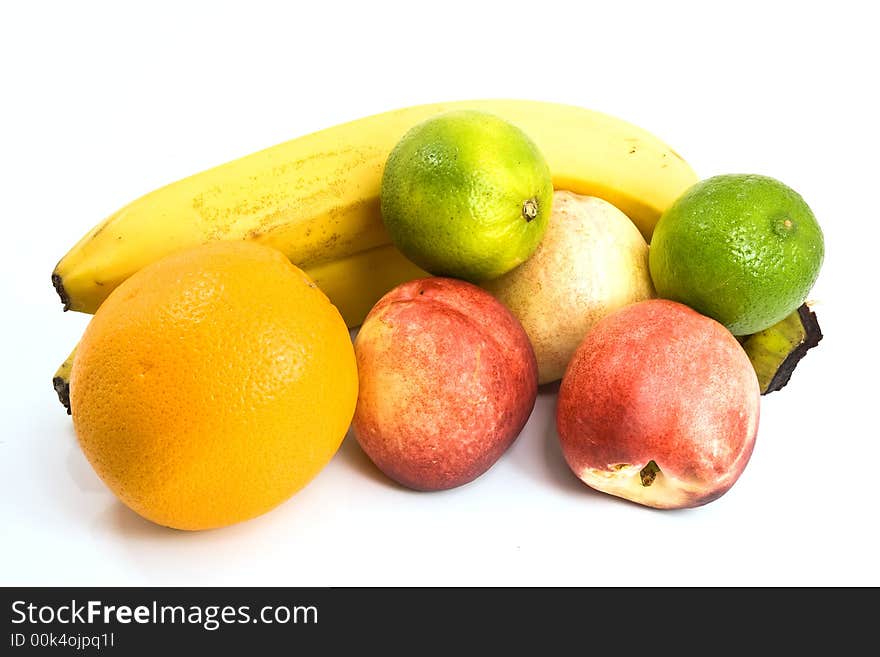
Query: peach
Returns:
{"type": "Point", "coordinates": [448, 379]}
{"type": "Point", "coordinates": [659, 405]}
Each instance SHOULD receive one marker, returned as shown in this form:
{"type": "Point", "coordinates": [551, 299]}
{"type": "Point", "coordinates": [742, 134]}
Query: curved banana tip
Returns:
{"type": "Point", "coordinates": [62, 389]}
{"type": "Point", "coordinates": [58, 284]}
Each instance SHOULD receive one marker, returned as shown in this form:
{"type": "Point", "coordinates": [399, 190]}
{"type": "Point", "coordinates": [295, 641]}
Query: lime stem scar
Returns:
{"type": "Point", "coordinates": [530, 209]}
{"type": "Point", "coordinates": [784, 226]}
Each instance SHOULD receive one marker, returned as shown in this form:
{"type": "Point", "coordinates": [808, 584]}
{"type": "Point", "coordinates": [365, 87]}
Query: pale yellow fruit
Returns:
{"type": "Point", "coordinates": [592, 261]}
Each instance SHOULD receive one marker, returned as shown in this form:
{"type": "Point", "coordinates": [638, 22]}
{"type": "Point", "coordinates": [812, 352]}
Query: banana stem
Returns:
{"type": "Point", "coordinates": [58, 284]}
{"type": "Point", "coordinates": [61, 381]}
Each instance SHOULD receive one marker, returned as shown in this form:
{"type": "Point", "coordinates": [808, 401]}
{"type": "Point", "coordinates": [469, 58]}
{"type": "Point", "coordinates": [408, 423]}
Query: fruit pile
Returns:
{"type": "Point", "coordinates": [482, 248]}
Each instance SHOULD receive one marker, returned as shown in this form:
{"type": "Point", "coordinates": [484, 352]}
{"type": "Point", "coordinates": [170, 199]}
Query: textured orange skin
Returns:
{"type": "Point", "coordinates": [658, 381]}
{"type": "Point", "coordinates": [212, 385]}
{"type": "Point", "coordinates": [448, 379]}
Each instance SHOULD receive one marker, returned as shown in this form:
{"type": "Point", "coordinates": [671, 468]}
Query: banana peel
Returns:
{"type": "Point", "coordinates": [776, 351]}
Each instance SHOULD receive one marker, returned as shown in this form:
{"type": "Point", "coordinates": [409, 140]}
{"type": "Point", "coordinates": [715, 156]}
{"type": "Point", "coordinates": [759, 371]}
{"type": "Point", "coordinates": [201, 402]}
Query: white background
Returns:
{"type": "Point", "coordinates": [103, 102]}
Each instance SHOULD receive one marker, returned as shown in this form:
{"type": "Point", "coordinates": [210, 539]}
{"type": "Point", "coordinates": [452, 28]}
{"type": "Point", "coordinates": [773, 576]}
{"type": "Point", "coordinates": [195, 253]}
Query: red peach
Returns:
{"type": "Point", "coordinates": [659, 405]}
{"type": "Point", "coordinates": [448, 379]}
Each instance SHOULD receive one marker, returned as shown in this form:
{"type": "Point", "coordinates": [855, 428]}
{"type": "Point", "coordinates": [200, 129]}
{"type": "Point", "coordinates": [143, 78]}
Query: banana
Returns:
{"type": "Point", "coordinates": [776, 351]}
{"type": "Point", "coordinates": [316, 198]}
{"type": "Point", "coordinates": [355, 283]}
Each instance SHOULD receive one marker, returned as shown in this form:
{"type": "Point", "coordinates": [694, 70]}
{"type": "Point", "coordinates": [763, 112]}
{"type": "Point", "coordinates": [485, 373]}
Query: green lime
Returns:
{"type": "Point", "coordinates": [742, 249]}
{"type": "Point", "coordinates": [466, 194]}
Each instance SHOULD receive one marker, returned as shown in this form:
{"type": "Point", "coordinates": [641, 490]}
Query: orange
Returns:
{"type": "Point", "coordinates": [212, 385]}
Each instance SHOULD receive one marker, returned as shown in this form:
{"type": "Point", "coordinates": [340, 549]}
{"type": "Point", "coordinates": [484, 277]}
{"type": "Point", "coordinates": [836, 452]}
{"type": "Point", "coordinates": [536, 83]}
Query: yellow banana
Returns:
{"type": "Point", "coordinates": [356, 282]}
{"type": "Point", "coordinates": [316, 197]}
